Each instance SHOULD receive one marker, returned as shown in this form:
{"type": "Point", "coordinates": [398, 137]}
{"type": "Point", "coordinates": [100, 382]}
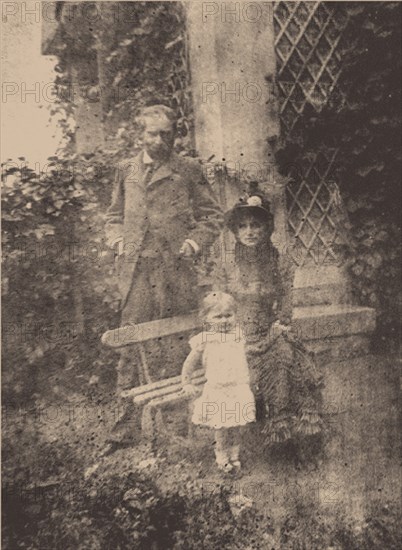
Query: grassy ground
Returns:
{"type": "Point", "coordinates": [348, 498]}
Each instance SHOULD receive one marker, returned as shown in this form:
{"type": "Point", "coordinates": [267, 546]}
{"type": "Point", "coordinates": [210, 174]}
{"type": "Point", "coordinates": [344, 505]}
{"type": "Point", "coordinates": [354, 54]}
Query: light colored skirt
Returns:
{"type": "Point", "coordinates": [224, 407]}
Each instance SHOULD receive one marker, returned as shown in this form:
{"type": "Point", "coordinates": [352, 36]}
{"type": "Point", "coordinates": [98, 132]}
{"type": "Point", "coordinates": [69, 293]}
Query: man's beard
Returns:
{"type": "Point", "coordinates": [159, 153]}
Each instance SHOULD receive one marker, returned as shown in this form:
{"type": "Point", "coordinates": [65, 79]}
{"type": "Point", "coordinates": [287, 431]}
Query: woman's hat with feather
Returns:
{"type": "Point", "coordinates": [256, 204]}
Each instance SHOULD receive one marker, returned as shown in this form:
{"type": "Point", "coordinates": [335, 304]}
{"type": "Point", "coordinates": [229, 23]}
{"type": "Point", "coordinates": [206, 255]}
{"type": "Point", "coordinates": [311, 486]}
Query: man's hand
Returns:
{"type": "Point", "coordinates": [116, 243]}
{"type": "Point", "coordinates": [190, 390]}
{"type": "Point", "coordinates": [187, 250]}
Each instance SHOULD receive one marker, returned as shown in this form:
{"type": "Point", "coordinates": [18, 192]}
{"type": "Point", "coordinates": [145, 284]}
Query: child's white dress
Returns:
{"type": "Point", "coordinates": [226, 400]}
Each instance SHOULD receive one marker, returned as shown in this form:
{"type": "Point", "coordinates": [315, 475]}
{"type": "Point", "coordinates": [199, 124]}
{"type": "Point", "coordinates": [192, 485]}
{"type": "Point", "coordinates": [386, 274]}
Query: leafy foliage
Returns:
{"type": "Point", "coordinates": [134, 55]}
{"type": "Point", "coordinates": [371, 157]}
{"type": "Point", "coordinates": [59, 278]}
{"type": "Point", "coordinates": [58, 273]}
{"type": "Point", "coordinates": [147, 64]}
{"type": "Point", "coordinates": [120, 511]}
{"type": "Point", "coordinates": [363, 120]}
{"type": "Point", "coordinates": [128, 510]}
{"type": "Point", "coordinates": [307, 529]}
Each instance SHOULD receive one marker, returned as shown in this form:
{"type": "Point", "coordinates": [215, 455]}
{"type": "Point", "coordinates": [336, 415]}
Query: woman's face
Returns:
{"type": "Point", "coordinates": [250, 231]}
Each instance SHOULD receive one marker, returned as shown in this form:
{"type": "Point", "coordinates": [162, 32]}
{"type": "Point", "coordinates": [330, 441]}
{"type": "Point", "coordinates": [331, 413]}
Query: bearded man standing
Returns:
{"type": "Point", "coordinates": [163, 213]}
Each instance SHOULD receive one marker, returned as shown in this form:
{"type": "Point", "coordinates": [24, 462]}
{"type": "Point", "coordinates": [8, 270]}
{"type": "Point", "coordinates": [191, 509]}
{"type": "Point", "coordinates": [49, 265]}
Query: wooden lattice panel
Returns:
{"type": "Point", "coordinates": [313, 209]}
{"type": "Point", "coordinates": [307, 35]}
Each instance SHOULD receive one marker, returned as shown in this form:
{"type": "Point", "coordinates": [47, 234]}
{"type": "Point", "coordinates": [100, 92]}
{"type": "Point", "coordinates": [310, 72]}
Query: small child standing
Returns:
{"type": "Point", "coordinates": [227, 402]}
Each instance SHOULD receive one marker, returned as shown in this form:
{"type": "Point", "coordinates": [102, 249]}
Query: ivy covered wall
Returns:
{"type": "Point", "coordinates": [125, 56]}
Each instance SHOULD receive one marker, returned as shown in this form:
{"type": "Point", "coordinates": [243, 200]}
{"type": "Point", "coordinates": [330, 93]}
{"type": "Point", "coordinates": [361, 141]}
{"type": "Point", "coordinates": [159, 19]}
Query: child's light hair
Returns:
{"type": "Point", "coordinates": [217, 300]}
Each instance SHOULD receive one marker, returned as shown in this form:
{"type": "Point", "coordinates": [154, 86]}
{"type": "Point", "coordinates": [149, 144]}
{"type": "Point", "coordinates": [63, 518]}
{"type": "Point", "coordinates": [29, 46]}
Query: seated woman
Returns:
{"type": "Point", "coordinates": [285, 381]}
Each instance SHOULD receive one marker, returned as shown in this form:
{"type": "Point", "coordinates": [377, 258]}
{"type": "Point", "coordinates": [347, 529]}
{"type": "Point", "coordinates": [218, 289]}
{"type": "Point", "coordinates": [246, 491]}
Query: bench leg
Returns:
{"type": "Point", "coordinates": [148, 422]}
{"type": "Point", "coordinates": [144, 370]}
{"type": "Point", "coordinates": [155, 408]}
{"type": "Point", "coordinates": [190, 431]}
{"type": "Point", "coordinates": [148, 425]}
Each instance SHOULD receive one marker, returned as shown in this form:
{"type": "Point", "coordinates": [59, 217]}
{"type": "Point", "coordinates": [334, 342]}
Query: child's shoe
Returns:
{"type": "Point", "coordinates": [234, 456]}
{"type": "Point", "coordinates": [226, 468]}
{"type": "Point", "coordinates": [223, 462]}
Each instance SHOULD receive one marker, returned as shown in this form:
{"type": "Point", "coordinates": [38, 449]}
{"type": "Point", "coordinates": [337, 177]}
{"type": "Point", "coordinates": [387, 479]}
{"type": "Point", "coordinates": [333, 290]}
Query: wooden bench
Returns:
{"type": "Point", "coordinates": [153, 396]}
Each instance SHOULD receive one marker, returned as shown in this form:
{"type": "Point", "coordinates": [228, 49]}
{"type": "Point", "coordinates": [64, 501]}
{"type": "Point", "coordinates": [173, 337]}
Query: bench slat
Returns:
{"type": "Point", "coordinates": [139, 390]}
{"type": "Point", "coordinates": [167, 390]}
{"type": "Point", "coordinates": [133, 334]}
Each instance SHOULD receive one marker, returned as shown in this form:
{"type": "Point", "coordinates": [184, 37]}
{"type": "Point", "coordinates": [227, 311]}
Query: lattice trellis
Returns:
{"type": "Point", "coordinates": [313, 209]}
{"type": "Point", "coordinates": [307, 36]}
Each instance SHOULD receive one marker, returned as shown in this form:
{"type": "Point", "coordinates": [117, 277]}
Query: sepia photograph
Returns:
{"type": "Point", "coordinates": [201, 275]}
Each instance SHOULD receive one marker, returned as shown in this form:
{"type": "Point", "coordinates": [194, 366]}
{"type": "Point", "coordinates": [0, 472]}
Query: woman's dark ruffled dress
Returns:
{"type": "Point", "coordinates": [286, 383]}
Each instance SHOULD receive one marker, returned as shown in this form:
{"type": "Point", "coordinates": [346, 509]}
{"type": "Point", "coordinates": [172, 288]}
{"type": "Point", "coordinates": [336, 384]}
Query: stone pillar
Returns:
{"type": "Point", "coordinates": [232, 63]}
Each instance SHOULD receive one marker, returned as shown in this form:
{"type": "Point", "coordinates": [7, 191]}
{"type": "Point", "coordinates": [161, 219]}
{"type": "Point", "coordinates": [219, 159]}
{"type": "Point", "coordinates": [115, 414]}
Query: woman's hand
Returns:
{"type": "Point", "coordinates": [190, 390]}
{"type": "Point", "coordinates": [278, 328]}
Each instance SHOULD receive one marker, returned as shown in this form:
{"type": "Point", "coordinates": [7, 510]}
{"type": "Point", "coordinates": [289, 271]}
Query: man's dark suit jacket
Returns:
{"type": "Point", "coordinates": [176, 204]}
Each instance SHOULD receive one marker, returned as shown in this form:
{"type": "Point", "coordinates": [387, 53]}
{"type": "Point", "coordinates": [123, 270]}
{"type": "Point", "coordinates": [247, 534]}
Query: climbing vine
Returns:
{"type": "Point", "coordinates": [131, 55]}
